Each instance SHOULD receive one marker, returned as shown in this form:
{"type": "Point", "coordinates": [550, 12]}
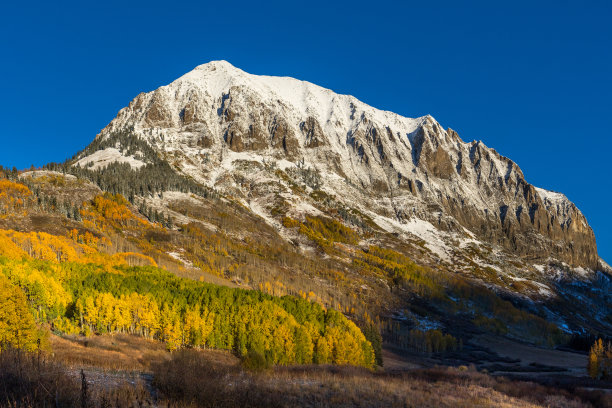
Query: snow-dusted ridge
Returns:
{"type": "Point", "coordinates": [216, 78]}
{"type": "Point", "coordinates": [298, 100]}
{"type": "Point", "coordinates": [411, 175]}
{"type": "Point", "coordinates": [551, 196]}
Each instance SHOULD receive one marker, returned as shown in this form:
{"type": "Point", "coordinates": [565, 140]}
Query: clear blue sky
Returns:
{"type": "Point", "coordinates": [532, 81]}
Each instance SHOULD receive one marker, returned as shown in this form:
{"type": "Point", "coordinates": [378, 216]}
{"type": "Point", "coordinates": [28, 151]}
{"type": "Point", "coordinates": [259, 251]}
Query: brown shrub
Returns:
{"type": "Point", "coordinates": [28, 380]}
{"type": "Point", "coordinates": [111, 352]}
{"type": "Point", "coordinates": [208, 379]}
{"type": "Point", "coordinates": [32, 380]}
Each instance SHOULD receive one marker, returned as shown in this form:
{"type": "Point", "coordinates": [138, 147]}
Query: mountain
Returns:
{"type": "Point", "coordinates": [406, 174]}
{"type": "Point", "coordinates": [279, 185]}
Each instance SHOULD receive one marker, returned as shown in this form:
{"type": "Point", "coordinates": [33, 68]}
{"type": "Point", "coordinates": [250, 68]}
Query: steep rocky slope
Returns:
{"type": "Point", "coordinates": [408, 175]}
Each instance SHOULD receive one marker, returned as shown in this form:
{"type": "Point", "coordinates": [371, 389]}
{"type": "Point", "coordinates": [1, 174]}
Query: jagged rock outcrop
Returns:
{"type": "Point", "coordinates": [372, 160]}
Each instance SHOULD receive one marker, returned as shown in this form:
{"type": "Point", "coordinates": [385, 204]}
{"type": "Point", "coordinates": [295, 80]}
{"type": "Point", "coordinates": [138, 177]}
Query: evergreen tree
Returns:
{"type": "Point", "coordinates": [372, 334]}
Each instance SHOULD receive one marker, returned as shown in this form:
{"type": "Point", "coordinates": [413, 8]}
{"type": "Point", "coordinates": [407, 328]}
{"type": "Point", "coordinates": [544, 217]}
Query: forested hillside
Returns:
{"type": "Point", "coordinates": [74, 297]}
{"type": "Point", "coordinates": [66, 219]}
{"type": "Point", "coordinates": [193, 269]}
{"type": "Point", "coordinates": [79, 283]}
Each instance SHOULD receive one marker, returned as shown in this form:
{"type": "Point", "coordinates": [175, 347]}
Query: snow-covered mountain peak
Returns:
{"type": "Point", "coordinates": [216, 79]}
{"type": "Point", "coordinates": [215, 118]}
{"type": "Point", "coordinates": [213, 65]}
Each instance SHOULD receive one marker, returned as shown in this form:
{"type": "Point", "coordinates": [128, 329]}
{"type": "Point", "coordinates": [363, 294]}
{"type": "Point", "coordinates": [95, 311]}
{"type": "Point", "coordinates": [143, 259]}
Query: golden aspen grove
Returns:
{"type": "Point", "coordinates": [73, 295]}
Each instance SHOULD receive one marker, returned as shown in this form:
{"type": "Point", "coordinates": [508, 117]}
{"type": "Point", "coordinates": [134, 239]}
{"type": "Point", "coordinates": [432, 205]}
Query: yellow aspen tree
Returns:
{"type": "Point", "coordinates": [17, 327]}
{"type": "Point", "coordinates": [595, 359]}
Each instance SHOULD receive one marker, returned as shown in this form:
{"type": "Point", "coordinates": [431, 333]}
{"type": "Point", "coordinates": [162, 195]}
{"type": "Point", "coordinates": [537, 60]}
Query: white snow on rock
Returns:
{"type": "Point", "coordinates": [583, 272]}
{"type": "Point", "coordinates": [102, 158]}
{"type": "Point", "coordinates": [604, 265]}
{"type": "Point", "coordinates": [205, 92]}
{"type": "Point", "coordinates": [540, 268]}
{"type": "Point", "coordinates": [420, 229]}
{"type": "Point", "coordinates": [558, 204]}
{"type": "Point", "coordinates": [551, 196]}
{"type": "Point", "coordinates": [217, 77]}
{"type": "Point", "coordinates": [174, 117]}
{"type": "Point", "coordinates": [543, 290]}
{"type": "Point", "coordinates": [179, 257]}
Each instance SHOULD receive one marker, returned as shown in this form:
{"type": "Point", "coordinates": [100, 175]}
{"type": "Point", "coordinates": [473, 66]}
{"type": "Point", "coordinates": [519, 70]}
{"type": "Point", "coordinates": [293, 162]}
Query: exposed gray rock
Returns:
{"type": "Point", "coordinates": [368, 159]}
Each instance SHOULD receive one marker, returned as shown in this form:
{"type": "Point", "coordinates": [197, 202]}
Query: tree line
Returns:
{"type": "Point", "coordinates": [154, 177]}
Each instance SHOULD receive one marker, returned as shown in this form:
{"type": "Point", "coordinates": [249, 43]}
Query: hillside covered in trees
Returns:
{"type": "Point", "coordinates": [66, 283]}
{"type": "Point", "coordinates": [192, 269]}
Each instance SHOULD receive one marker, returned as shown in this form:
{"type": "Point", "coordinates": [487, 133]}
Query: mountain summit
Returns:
{"type": "Point", "coordinates": [408, 176]}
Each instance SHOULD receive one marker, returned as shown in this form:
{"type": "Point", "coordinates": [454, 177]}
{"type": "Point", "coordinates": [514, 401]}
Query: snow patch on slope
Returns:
{"type": "Point", "coordinates": [102, 158]}
{"type": "Point", "coordinates": [540, 268]}
{"type": "Point", "coordinates": [543, 290]}
{"type": "Point", "coordinates": [421, 229]}
{"type": "Point", "coordinates": [179, 257]}
{"type": "Point", "coordinates": [551, 196]}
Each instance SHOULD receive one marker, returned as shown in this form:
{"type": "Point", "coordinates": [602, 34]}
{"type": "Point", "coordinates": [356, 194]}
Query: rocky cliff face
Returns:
{"type": "Point", "coordinates": [394, 169]}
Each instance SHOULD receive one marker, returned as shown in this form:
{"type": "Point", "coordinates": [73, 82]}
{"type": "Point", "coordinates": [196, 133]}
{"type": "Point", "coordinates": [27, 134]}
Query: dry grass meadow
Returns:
{"type": "Point", "coordinates": [126, 371]}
